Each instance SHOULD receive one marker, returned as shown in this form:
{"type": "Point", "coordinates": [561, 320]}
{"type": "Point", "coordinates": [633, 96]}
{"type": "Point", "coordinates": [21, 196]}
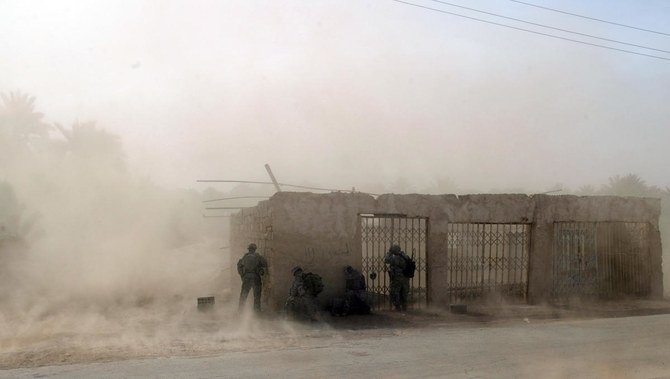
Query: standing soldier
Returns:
{"type": "Point", "coordinates": [251, 267]}
{"type": "Point", "coordinates": [397, 261]}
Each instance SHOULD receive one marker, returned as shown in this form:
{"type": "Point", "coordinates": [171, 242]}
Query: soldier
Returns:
{"type": "Point", "coordinates": [355, 295]}
{"type": "Point", "coordinates": [251, 268]}
{"type": "Point", "coordinates": [397, 260]}
{"type": "Point", "coordinates": [301, 302]}
{"type": "Point", "coordinates": [295, 293]}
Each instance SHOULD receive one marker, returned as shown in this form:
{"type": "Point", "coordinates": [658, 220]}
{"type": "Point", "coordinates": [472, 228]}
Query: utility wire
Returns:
{"type": "Point", "coordinates": [226, 207]}
{"type": "Point", "coordinates": [236, 197]}
{"type": "Point", "coordinates": [231, 181]}
{"type": "Point", "coordinates": [281, 184]}
{"type": "Point", "coordinates": [591, 18]}
{"type": "Point", "coordinates": [532, 31]}
{"type": "Point", "coordinates": [551, 27]}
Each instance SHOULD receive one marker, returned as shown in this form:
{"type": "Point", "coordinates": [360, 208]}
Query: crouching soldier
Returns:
{"type": "Point", "coordinates": [302, 303]}
{"type": "Point", "coordinates": [355, 292]}
{"type": "Point", "coordinates": [295, 293]}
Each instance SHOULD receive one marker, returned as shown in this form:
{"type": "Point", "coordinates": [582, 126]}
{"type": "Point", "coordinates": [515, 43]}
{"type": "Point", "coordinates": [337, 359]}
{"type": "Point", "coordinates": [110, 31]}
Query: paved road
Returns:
{"type": "Point", "coordinates": [630, 347]}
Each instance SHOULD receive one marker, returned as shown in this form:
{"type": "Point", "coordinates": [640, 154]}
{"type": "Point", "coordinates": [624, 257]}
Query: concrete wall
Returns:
{"type": "Point", "coordinates": [320, 231]}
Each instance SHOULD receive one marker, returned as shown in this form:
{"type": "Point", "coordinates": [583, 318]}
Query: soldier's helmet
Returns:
{"type": "Point", "coordinates": [395, 249]}
{"type": "Point", "coordinates": [348, 269]}
{"type": "Point", "coordinates": [252, 247]}
{"type": "Point", "coordinates": [295, 269]}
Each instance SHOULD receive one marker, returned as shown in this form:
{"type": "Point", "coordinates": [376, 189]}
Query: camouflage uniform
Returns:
{"type": "Point", "coordinates": [301, 303]}
{"type": "Point", "coordinates": [355, 294]}
{"type": "Point", "coordinates": [251, 267]}
{"type": "Point", "coordinates": [297, 289]}
{"type": "Point", "coordinates": [396, 259]}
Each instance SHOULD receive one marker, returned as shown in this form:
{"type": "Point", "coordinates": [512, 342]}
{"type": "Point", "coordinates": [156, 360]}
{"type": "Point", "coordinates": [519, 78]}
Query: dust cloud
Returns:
{"type": "Point", "coordinates": [97, 263]}
{"type": "Point", "coordinates": [91, 256]}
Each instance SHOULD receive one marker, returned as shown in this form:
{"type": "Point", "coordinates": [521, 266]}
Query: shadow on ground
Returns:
{"type": "Point", "coordinates": [478, 313]}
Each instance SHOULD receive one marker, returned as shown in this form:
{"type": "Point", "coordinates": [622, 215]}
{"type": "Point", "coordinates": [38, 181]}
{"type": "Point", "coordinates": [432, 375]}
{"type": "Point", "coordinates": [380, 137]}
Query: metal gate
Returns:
{"type": "Point", "coordinates": [601, 259]}
{"type": "Point", "coordinates": [378, 233]}
{"type": "Point", "coordinates": [487, 260]}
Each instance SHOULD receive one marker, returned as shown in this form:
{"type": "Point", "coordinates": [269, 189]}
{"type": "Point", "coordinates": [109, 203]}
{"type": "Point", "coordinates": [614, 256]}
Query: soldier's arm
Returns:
{"type": "Point", "coordinates": [240, 267]}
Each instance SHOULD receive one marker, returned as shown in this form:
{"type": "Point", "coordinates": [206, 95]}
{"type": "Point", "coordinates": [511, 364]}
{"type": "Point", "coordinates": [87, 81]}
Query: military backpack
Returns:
{"type": "Point", "coordinates": [410, 267]}
{"type": "Point", "coordinates": [313, 283]}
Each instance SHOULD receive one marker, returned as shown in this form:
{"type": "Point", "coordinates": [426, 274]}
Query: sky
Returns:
{"type": "Point", "coordinates": [352, 92]}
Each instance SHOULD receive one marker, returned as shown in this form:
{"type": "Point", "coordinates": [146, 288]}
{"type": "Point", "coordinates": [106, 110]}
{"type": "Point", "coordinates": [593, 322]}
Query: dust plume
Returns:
{"type": "Point", "coordinates": [92, 256]}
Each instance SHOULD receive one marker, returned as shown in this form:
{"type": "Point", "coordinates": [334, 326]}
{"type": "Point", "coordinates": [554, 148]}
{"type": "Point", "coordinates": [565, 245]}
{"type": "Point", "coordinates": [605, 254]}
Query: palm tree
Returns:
{"type": "Point", "coordinates": [88, 142]}
{"type": "Point", "coordinates": [627, 185]}
{"type": "Point", "coordinates": [21, 128]}
{"type": "Point", "coordinates": [19, 119]}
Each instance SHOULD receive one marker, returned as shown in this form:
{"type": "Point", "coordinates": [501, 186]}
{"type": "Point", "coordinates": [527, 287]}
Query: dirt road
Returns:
{"type": "Point", "coordinates": [628, 347]}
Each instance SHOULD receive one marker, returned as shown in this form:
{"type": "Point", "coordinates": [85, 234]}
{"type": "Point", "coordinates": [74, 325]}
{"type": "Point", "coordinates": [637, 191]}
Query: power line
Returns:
{"type": "Point", "coordinates": [532, 31]}
{"type": "Point", "coordinates": [281, 184]}
{"type": "Point", "coordinates": [551, 27]}
{"type": "Point", "coordinates": [591, 18]}
{"type": "Point", "coordinates": [236, 197]}
{"type": "Point", "coordinates": [231, 181]}
{"type": "Point", "coordinates": [226, 207]}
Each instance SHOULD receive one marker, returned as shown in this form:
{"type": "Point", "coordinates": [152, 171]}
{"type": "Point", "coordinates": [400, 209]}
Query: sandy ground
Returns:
{"type": "Point", "coordinates": [145, 332]}
{"type": "Point", "coordinates": [628, 347]}
{"type": "Point", "coordinates": [523, 341]}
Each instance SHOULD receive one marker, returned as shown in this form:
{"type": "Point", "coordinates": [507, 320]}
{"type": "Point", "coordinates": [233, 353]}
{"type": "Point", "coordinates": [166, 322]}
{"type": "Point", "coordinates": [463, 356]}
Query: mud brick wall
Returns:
{"type": "Point", "coordinates": [320, 232]}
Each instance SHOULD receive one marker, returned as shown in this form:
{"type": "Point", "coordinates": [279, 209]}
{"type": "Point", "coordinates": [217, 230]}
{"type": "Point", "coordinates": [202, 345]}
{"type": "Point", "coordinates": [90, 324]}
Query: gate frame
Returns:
{"type": "Point", "coordinates": [528, 229]}
{"type": "Point", "coordinates": [644, 254]}
{"type": "Point", "coordinates": [359, 234]}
